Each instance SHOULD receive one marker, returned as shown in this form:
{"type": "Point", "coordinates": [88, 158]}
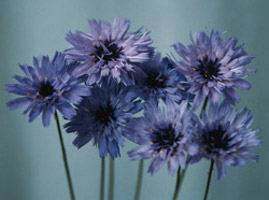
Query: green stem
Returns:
{"type": "Point", "coordinates": [102, 179]}
{"type": "Point", "coordinates": [139, 180]}
{"type": "Point", "coordinates": [111, 179]}
{"type": "Point", "coordinates": [182, 175]}
{"type": "Point", "coordinates": [71, 191]}
{"type": "Point", "coordinates": [177, 185]}
{"type": "Point", "coordinates": [209, 179]}
{"type": "Point", "coordinates": [185, 170]}
{"type": "Point", "coordinates": [204, 106]}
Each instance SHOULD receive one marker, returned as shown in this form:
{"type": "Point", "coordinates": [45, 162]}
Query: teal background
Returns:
{"type": "Point", "coordinates": [31, 166]}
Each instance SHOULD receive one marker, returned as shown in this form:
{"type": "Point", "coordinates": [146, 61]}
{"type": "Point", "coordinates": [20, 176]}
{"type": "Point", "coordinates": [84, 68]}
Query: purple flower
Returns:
{"type": "Point", "coordinates": [103, 117]}
{"type": "Point", "coordinates": [224, 136]}
{"type": "Point", "coordinates": [213, 66]}
{"type": "Point", "coordinates": [161, 81]}
{"type": "Point", "coordinates": [109, 51]}
{"type": "Point", "coordinates": [163, 136]}
{"type": "Point", "coordinates": [46, 87]}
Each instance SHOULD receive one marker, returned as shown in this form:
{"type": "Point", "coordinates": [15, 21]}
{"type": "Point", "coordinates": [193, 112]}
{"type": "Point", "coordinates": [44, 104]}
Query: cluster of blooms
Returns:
{"type": "Point", "coordinates": [110, 74]}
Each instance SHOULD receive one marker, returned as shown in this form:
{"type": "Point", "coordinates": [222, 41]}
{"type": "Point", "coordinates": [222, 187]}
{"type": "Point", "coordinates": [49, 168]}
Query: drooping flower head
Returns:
{"type": "Point", "coordinates": [103, 117]}
{"type": "Point", "coordinates": [163, 136]}
{"type": "Point", "coordinates": [161, 81]}
{"type": "Point", "coordinates": [46, 87]}
{"type": "Point", "coordinates": [109, 50]}
{"type": "Point", "coordinates": [213, 66]}
{"type": "Point", "coordinates": [224, 135]}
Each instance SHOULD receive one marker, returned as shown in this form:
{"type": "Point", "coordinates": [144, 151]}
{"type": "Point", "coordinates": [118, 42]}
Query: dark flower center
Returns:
{"type": "Point", "coordinates": [165, 138]}
{"type": "Point", "coordinates": [109, 51]}
{"type": "Point", "coordinates": [155, 80]}
{"type": "Point", "coordinates": [209, 68]}
{"type": "Point", "coordinates": [46, 89]}
{"type": "Point", "coordinates": [105, 114]}
{"type": "Point", "coordinates": [216, 140]}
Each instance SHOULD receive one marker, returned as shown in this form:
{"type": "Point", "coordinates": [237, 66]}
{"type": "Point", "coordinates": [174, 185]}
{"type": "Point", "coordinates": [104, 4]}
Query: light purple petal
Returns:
{"type": "Point", "coordinates": [47, 112]}
{"type": "Point", "coordinates": [67, 110]}
{"type": "Point", "coordinates": [18, 103]}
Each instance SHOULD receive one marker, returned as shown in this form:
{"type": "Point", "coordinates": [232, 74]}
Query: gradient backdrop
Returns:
{"type": "Point", "coordinates": [31, 166]}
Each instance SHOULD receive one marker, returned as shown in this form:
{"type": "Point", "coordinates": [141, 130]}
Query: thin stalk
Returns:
{"type": "Point", "coordinates": [182, 175]}
{"type": "Point", "coordinates": [177, 185]}
{"type": "Point", "coordinates": [204, 106]}
{"type": "Point", "coordinates": [185, 170]}
{"type": "Point", "coordinates": [102, 179]}
{"type": "Point", "coordinates": [209, 179]}
{"type": "Point", "coordinates": [139, 180]}
{"type": "Point", "coordinates": [111, 179]}
{"type": "Point", "coordinates": [68, 176]}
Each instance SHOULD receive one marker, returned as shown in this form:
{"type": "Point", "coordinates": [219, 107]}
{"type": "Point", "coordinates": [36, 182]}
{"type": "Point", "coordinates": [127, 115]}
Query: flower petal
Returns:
{"type": "Point", "coordinates": [18, 103]}
{"type": "Point", "coordinates": [46, 116]}
{"type": "Point", "coordinates": [66, 109]}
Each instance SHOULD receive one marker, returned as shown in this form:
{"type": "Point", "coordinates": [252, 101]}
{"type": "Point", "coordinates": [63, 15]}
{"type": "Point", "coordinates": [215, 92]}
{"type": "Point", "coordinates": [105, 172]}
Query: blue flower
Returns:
{"type": "Point", "coordinates": [163, 136]}
{"type": "Point", "coordinates": [103, 117]}
{"type": "Point", "coordinates": [161, 81]}
{"type": "Point", "coordinates": [224, 135]}
{"type": "Point", "coordinates": [109, 51]}
{"type": "Point", "coordinates": [45, 87]}
{"type": "Point", "coordinates": [213, 67]}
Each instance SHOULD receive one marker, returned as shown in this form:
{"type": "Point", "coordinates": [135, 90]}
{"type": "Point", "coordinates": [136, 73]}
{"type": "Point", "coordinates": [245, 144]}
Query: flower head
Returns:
{"type": "Point", "coordinates": [213, 66]}
{"type": "Point", "coordinates": [103, 117]}
{"type": "Point", "coordinates": [163, 136]}
{"type": "Point", "coordinates": [224, 136]}
{"type": "Point", "coordinates": [161, 81]}
{"type": "Point", "coordinates": [109, 51]}
{"type": "Point", "coordinates": [46, 87]}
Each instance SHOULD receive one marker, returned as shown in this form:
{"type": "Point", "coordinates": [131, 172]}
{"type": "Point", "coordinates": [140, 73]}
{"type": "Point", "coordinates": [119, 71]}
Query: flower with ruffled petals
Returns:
{"type": "Point", "coordinates": [213, 67]}
{"type": "Point", "coordinates": [224, 135]}
{"type": "Point", "coordinates": [109, 51]}
{"type": "Point", "coordinates": [163, 136]}
{"type": "Point", "coordinates": [161, 81]}
{"type": "Point", "coordinates": [103, 117]}
{"type": "Point", "coordinates": [46, 87]}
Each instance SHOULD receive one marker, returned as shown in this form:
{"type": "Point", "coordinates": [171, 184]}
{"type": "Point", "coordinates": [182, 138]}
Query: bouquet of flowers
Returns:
{"type": "Point", "coordinates": [110, 85]}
